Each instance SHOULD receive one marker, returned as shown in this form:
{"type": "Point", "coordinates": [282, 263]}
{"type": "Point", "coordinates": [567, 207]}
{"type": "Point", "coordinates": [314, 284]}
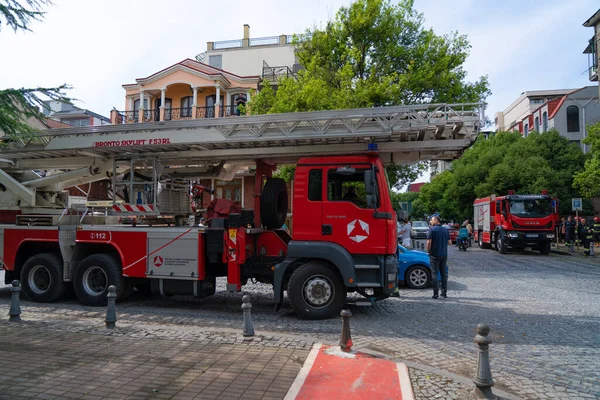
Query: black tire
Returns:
{"type": "Point", "coordinates": [545, 248]}
{"type": "Point", "coordinates": [274, 203]}
{"type": "Point", "coordinates": [42, 278]}
{"type": "Point", "coordinates": [321, 277]}
{"type": "Point", "coordinates": [480, 240]}
{"type": "Point", "coordinates": [94, 275]}
{"type": "Point", "coordinates": [417, 277]}
{"type": "Point", "coordinates": [501, 244]}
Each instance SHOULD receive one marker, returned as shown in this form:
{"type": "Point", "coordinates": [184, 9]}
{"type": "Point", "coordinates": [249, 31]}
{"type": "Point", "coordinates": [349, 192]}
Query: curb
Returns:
{"type": "Point", "coordinates": [411, 364]}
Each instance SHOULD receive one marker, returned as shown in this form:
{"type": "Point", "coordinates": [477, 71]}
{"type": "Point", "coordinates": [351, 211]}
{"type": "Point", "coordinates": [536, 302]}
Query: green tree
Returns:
{"type": "Point", "coordinates": [588, 180]}
{"type": "Point", "coordinates": [17, 106]}
{"type": "Point", "coordinates": [505, 162]}
{"type": "Point", "coordinates": [375, 53]}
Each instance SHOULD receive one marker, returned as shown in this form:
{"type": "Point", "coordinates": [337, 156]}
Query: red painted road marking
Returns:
{"type": "Point", "coordinates": [359, 377]}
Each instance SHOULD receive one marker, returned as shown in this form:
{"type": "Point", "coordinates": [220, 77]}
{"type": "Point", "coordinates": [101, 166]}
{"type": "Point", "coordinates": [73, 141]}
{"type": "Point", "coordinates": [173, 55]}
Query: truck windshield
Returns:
{"type": "Point", "coordinates": [531, 208]}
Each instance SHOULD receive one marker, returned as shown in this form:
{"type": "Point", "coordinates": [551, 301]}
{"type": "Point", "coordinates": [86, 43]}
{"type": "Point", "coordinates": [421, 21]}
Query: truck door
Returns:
{"type": "Point", "coordinates": [347, 220]}
{"type": "Point", "coordinates": [307, 219]}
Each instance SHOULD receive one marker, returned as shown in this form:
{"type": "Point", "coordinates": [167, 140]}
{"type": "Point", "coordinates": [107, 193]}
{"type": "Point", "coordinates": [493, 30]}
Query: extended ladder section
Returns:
{"type": "Point", "coordinates": [147, 161]}
{"type": "Point", "coordinates": [436, 131]}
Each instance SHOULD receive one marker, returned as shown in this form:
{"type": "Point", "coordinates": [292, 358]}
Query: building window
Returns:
{"type": "Point", "coordinates": [537, 124]}
{"type": "Point", "coordinates": [537, 101]}
{"type": "Point", "coordinates": [186, 106]}
{"type": "Point", "coordinates": [216, 61]}
{"type": "Point", "coordinates": [230, 190]}
{"type": "Point", "coordinates": [545, 121]}
{"type": "Point", "coordinates": [238, 103]}
{"type": "Point", "coordinates": [577, 142]}
{"type": "Point", "coordinates": [572, 119]}
{"type": "Point", "coordinates": [315, 185]}
{"type": "Point", "coordinates": [526, 131]}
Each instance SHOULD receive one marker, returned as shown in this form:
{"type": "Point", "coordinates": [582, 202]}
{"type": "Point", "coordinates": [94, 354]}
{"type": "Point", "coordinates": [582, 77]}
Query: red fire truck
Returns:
{"type": "Point", "coordinates": [516, 221]}
{"type": "Point", "coordinates": [340, 243]}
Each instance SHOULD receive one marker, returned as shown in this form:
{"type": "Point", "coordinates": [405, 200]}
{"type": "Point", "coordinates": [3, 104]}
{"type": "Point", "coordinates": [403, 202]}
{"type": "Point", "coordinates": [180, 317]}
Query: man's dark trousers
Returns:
{"type": "Point", "coordinates": [438, 264]}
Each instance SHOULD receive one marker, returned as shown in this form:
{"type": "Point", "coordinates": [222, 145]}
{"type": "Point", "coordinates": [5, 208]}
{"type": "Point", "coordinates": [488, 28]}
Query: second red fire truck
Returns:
{"type": "Point", "coordinates": [516, 221]}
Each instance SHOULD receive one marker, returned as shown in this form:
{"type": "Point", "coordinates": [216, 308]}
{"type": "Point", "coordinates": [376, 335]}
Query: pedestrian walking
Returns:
{"type": "Point", "coordinates": [569, 230]}
{"type": "Point", "coordinates": [438, 240]}
{"type": "Point", "coordinates": [586, 235]}
{"type": "Point", "coordinates": [405, 234]}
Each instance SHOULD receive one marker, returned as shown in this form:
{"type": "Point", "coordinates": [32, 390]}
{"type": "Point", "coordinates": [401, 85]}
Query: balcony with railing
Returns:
{"type": "Point", "coordinates": [592, 52]}
{"type": "Point", "coordinates": [178, 114]}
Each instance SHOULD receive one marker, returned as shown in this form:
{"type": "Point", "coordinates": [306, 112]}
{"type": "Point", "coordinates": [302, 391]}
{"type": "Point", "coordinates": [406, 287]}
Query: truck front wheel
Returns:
{"type": "Point", "coordinates": [94, 275]}
{"type": "Point", "coordinates": [545, 248]}
{"type": "Point", "coordinates": [316, 292]}
{"type": "Point", "coordinates": [42, 278]}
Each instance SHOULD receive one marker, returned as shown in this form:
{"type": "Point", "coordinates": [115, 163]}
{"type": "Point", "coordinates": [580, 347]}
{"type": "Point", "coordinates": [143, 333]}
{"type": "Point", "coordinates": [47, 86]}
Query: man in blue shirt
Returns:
{"type": "Point", "coordinates": [438, 240]}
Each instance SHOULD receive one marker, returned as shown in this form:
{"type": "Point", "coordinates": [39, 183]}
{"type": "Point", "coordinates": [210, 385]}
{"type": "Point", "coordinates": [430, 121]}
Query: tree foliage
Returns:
{"type": "Point", "coordinates": [375, 53]}
{"type": "Point", "coordinates": [505, 162]}
{"type": "Point", "coordinates": [17, 106]}
{"type": "Point", "coordinates": [588, 180]}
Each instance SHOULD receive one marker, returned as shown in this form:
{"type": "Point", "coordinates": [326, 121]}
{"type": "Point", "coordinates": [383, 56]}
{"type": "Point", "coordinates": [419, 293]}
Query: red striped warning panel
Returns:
{"type": "Point", "coordinates": [330, 374]}
{"type": "Point", "coordinates": [134, 208]}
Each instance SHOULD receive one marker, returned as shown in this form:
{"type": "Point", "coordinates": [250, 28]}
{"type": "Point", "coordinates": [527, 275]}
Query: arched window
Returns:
{"type": "Point", "coordinates": [526, 130]}
{"type": "Point", "coordinates": [537, 124]}
{"type": "Point", "coordinates": [572, 119]}
{"type": "Point", "coordinates": [545, 121]}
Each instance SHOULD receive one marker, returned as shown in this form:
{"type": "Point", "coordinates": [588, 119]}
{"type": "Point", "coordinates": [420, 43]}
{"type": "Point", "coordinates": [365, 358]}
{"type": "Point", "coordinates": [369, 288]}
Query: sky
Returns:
{"type": "Point", "coordinates": [97, 46]}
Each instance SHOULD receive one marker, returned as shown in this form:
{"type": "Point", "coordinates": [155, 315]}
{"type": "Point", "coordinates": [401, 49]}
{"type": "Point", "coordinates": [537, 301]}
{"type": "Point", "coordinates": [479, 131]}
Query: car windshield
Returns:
{"type": "Point", "coordinates": [419, 224]}
{"type": "Point", "coordinates": [533, 208]}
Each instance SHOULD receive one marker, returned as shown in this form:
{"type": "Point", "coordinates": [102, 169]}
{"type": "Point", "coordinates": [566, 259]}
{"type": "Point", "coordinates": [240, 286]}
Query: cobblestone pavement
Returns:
{"type": "Point", "coordinates": [543, 310]}
{"type": "Point", "coordinates": [83, 360]}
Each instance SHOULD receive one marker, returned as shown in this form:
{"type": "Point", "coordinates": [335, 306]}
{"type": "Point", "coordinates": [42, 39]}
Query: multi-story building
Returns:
{"type": "Point", "coordinates": [186, 90]}
{"type": "Point", "coordinates": [568, 114]}
{"type": "Point", "coordinates": [72, 115]}
{"type": "Point", "coordinates": [524, 105]}
{"type": "Point", "coordinates": [268, 57]}
{"type": "Point", "coordinates": [592, 48]}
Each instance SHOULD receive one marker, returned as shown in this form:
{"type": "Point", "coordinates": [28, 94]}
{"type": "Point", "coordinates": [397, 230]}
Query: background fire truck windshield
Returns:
{"type": "Point", "coordinates": [533, 208]}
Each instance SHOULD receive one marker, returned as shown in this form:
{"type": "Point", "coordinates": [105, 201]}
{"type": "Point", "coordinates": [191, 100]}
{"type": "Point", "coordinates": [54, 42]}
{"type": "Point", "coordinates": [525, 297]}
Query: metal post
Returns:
{"type": "Point", "coordinates": [111, 310]}
{"type": "Point", "coordinates": [14, 313]}
{"type": "Point", "coordinates": [248, 328]}
{"type": "Point", "coordinates": [345, 338]}
{"type": "Point", "coordinates": [483, 374]}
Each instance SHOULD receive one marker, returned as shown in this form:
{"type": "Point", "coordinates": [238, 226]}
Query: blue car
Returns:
{"type": "Point", "coordinates": [413, 268]}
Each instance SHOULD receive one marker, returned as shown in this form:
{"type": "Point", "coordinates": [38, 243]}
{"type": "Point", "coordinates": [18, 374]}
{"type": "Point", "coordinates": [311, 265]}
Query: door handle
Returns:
{"type": "Point", "coordinates": [326, 229]}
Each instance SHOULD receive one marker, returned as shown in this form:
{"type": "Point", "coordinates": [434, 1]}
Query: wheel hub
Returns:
{"type": "Point", "coordinates": [95, 281]}
{"type": "Point", "coordinates": [39, 279]}
{"type": "Point", "coordinates": [418, 277]}
{"type": "Point", "coordinates": [318, 291]}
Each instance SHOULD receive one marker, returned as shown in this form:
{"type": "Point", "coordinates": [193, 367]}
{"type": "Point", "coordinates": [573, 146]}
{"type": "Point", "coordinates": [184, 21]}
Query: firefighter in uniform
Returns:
{"type": "Point", "coordinates": [569, 232]}
{"type": "Point", "coordinates": [597, 231]}
{"type": "Point", "coordinates": [586, 234]}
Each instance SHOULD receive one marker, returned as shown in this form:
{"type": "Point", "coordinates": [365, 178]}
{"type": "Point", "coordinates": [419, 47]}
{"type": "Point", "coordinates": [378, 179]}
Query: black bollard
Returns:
{"type": "Point", "coordinates": [111, 310]}
{"type": "Point", "coordinates": [483, 375]}
{"type": "Point", "coordinates": [14, 313]}
{"type": "Point", "coordinates": [248, 329]}
{"type": "Point", "coordinates": [345, 338]}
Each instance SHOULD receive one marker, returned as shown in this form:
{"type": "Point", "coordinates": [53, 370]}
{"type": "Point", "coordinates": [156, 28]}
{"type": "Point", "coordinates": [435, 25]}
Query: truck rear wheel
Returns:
{"type": "Point", "coordinates": [42, 278]}
{"type": "Point", "coordinates": [274, 203]}
{"type": "Point", "coordinates": [316, 292]}
{"type": "Point", "coordinates": [94, 275]}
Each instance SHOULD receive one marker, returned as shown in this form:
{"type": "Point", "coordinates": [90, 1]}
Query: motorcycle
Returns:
{"type": "Point", "coordinates": [463, 244]}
